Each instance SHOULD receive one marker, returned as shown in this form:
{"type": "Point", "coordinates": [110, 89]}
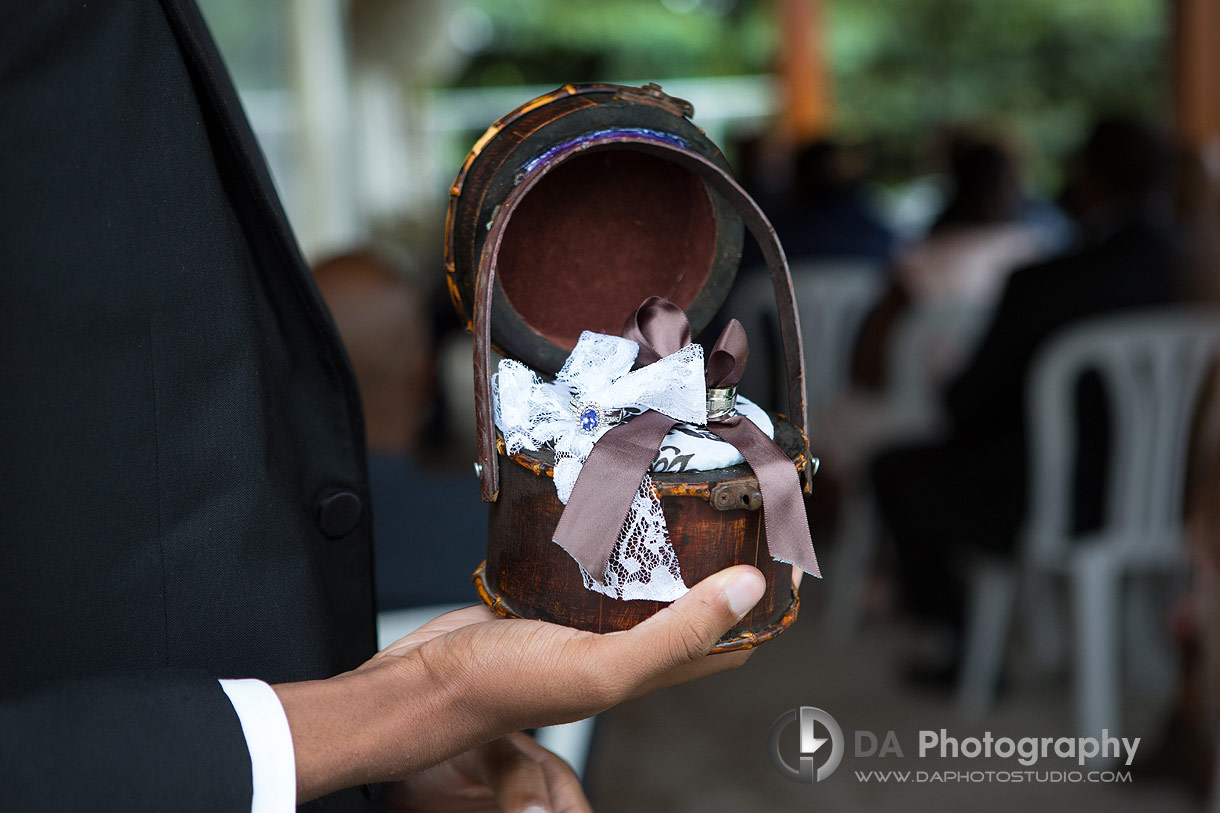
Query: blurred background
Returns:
{"type": "Point", "coordinates": [1002, 220]}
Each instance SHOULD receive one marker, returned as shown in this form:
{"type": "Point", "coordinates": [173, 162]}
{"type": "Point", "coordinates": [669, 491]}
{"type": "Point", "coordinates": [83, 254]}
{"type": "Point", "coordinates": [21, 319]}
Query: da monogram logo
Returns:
{"type": "Point", "coordinates": [809, 719]}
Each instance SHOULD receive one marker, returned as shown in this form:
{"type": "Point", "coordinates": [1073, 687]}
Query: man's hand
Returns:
{"type": "Point", "coordinates": [468, 678]}
{"type": "Point", "coordinates": [512, 774]}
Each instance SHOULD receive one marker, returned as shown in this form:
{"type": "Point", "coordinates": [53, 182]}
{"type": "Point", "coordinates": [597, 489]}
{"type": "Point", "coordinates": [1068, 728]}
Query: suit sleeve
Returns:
{"type": "Point", "coordinates": [146, 742]}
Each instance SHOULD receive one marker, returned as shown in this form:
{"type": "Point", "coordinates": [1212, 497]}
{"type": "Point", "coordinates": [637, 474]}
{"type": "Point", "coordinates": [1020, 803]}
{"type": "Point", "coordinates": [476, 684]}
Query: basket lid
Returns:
{"type": "Point", "coordinates": [606, 222]}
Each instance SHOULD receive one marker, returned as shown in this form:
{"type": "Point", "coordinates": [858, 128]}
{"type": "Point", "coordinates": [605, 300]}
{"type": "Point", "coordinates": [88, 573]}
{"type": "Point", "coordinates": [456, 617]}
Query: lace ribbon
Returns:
{"type": "Point", "coordinates": [612, 524]}
{"type": "Point", "coordinates": [668, 389]}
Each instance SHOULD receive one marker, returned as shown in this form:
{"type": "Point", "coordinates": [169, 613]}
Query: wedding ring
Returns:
{"type": "Point", "coordinates": [592, 417]}
{"type": "Point", "coordinates": [721, 403]}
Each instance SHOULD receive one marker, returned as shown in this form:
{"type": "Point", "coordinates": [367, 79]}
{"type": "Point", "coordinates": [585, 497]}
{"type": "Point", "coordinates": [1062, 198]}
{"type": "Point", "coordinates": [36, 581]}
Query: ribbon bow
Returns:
{"type": "Point", "coordinates": [601, 464]}
{"type": "Point", "coordinates": [595, 388]}
{"type": "Point", "coordinates": [603, 496]}
{"type": "Point", "coordinates": [783, 508]}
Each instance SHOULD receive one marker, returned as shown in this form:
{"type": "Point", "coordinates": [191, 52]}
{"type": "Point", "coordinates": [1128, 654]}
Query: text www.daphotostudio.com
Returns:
{"type": "Point", "coordinates": [814, 763]}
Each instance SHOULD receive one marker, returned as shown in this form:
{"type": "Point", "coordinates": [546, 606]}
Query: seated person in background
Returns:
{"type": "Point", "coordinates": [821, 208]}
{"type": "Point", "coordinates": [831, 216]}
{"type": "Point", "coordinates": [429, 524]}
{"type": "Point", "coordinates": [970, 490]}
{"type": "Point", "coordinates": [826, 213]}
{"type": "Point", "coordinates": [976, 241]}
{"type": "Point", "coordinates": [978, 238]}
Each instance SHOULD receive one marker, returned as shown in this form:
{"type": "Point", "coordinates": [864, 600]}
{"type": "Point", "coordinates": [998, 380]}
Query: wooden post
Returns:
{"type": "Point", "coordinates": [1196, 97]}
{"type": "Point", "coordinates": [803, 70]}
{"type": "Point", "coordinates": [1196, 46]}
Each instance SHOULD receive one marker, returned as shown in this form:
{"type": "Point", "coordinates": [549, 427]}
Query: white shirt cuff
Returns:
{"type": "Point", "coordinates": [272, 761]}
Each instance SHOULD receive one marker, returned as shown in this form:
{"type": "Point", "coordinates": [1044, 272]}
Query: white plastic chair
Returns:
{"type": "Point", "coordinates": [833, 298]}
{"type": "Point", "coordinates": [930, 344]}
{"type": "Point", "coordinates": [927, 345]}
{"type": "Point", "coordinates": [1152, 364]}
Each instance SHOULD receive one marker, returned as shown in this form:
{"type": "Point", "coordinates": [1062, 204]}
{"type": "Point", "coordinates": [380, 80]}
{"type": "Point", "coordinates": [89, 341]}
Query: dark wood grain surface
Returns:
{"type": "Point", "coordinates": [529, 576]}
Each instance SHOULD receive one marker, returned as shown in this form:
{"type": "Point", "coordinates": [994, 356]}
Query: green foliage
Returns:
{"type": "Point", "coordinates": [1038, 68]}
{"type": "Point", "coordinates": [557, 41]}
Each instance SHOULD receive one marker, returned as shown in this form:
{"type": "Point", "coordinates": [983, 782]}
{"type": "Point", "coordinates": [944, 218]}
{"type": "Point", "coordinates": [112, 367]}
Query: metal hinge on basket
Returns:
{"type": "Point", "coordinates": [652, 94]}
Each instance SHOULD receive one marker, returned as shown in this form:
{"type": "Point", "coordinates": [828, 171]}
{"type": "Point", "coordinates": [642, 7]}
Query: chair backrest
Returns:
{"type": "Point", "coordinates": [1152, 365]}
{"type": "Point", "coordinates": [929, 344]}
{"type": "Point", "coordinates": [833, 298]}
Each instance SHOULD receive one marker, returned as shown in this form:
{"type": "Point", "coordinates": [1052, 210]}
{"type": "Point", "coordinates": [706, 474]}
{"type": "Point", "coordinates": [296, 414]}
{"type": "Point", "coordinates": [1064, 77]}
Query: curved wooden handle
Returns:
{"type": "Point", "coordinates": [717, 179]}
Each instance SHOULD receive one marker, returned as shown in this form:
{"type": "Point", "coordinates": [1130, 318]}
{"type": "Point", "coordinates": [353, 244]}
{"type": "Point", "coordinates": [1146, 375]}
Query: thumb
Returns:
{"type": "Point", "coordinates": [687, 629]}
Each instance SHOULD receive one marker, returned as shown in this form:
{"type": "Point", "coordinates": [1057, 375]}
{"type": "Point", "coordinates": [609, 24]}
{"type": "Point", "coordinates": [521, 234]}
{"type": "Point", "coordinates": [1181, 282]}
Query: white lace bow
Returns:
{"type": "Point", "coordinates": [531, 412]}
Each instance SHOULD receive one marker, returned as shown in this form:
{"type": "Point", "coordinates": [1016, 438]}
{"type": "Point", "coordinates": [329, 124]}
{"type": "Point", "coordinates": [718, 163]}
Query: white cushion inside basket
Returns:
{"type": "Point", "coordinates": [696, 448]}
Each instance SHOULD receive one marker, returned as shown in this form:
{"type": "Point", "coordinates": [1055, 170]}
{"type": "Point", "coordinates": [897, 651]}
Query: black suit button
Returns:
{"type": "Point", "coordinates": [338, 513]}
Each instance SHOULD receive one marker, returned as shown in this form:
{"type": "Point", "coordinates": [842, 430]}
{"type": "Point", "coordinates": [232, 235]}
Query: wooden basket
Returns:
{"type": "Point", "coordinates": [567, 214]}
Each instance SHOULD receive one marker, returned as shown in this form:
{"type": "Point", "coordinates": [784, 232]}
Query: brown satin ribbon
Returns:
{"type": "Point", "coordinates": [590, 523]}
{"type": "Point", "coordinates": [779, 483]}
{"type": "Point", "coordinates": [601, 497]}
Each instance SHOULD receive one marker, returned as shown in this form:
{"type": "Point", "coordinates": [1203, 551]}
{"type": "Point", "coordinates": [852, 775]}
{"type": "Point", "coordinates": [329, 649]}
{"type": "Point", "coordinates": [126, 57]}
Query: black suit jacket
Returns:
{"type": "Point", "coordinates": [1135, 266]}
{"type": "Point", "coordinates": [183, 483]}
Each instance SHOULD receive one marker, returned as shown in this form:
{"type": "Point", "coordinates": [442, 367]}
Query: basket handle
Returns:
{"type": "Point", "coordinates": [717, 179]}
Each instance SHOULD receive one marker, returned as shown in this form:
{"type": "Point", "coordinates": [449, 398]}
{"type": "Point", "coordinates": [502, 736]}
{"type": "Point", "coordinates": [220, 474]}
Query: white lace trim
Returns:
{"type": "Point", "coordinates": [643, 564]}
{"type": "Point", "coordinates": [531, 412]}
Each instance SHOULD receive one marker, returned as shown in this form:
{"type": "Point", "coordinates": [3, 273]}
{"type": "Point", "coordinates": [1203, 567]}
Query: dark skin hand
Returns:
{"type": "Point", "coordinates": [436, 711]}
{"type": "Point", "coordinates": [513, 773]}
